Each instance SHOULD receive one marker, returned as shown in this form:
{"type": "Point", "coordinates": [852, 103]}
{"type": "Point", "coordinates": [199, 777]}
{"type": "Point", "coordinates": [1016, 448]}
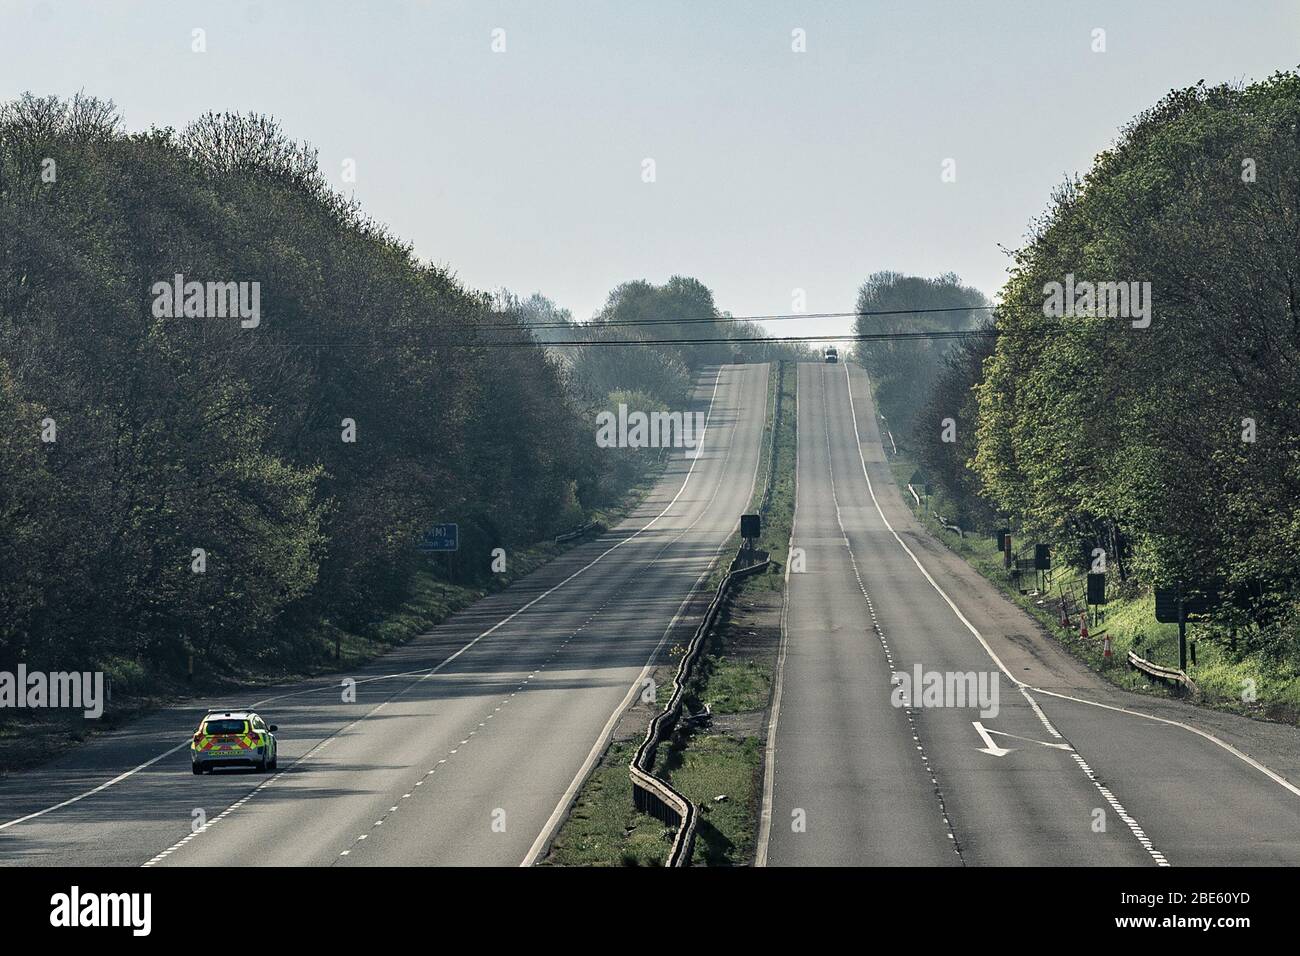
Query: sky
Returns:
{"type": "Point", "coordinates": [774, 170]}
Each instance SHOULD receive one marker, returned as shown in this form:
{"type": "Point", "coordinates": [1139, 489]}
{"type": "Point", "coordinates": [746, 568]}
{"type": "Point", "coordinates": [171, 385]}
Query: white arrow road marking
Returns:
{"type": "Point", "coordinates": [1028, 740]}
{"type": "Point", "coordinates": [990, 748]}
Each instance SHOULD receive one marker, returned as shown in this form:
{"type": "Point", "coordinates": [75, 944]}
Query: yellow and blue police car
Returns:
{"type": "Point", "coordinates": [234, 738]}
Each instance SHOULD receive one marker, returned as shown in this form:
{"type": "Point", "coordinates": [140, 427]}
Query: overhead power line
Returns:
{"type": "Point", "coordinates": [417, 342]}
{"type": "Point", "coordinates": [724, 319]}
{"type": "Point", "coordinates": [466, 336]}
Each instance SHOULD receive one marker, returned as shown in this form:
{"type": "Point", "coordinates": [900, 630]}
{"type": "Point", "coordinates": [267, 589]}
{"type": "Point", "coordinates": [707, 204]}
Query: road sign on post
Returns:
{"type": "Point", "coordinates": [1182, 630]}
{"type": "Point", "coordinates": [1096, 587]}
{"type": "Point", "coordinates": [1195, 605]}
{"type": "Point", "coordinates": [750, 528]}
{"type": "Point", "coordinates": [440, 537]}
{"type": "Point", "coordinates": [1175, 606]}
{"type": "Point", "coordinates": [1167, 605]}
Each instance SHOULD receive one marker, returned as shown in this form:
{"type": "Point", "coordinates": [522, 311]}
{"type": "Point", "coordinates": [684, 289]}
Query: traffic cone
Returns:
{"type": "Point", "coordinates": [1105, 646]}
{"type": "Point", "coordinates": [1083, 625]}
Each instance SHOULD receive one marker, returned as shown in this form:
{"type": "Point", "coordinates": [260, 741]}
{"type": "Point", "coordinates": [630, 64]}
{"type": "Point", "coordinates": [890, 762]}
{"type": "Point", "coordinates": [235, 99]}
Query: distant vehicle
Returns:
{"type": "Point", "coordinates": [831, 355]}
{"type": "Point", "coordinates": [234, 738]}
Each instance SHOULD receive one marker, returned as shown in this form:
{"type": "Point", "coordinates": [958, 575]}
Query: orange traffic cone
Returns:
{"type": "Point", "coordinates": [1105, 646]}
{"type": "Point", "coordinates": [1083, 625]}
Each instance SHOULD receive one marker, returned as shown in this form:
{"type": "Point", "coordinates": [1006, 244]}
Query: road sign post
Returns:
{"type": "Point", "coordinates": [440, 537]}
{"type": "Point", "coordinates": [1097, 593]}
{"type": "Point", "coordinates": [1182, 631]}
{"type": "Point", "coordinates": [1172, 607]}
{"type": "Point", "coordinates": [750, 529]}
{"type": "Point", "coordinates": [444, 538]}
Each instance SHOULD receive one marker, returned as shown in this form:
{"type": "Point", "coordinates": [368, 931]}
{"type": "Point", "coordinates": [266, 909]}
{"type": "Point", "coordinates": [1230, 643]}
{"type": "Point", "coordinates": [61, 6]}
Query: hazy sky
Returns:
{"type": "Point", "coordinates": [775, 170]}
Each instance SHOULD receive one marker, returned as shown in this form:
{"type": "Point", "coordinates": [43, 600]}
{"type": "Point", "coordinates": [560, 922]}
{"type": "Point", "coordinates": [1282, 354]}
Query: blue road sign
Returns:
{"type": "Point", "coordinates": [441, 537]}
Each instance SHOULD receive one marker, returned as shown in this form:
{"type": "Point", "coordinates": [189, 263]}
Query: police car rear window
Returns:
{"type": "Point", "coordinates": [224, 727]}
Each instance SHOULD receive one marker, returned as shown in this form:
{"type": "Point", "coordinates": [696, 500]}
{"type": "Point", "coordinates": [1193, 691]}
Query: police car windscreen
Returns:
{"type": "Point", "coordinates": [224, 727]}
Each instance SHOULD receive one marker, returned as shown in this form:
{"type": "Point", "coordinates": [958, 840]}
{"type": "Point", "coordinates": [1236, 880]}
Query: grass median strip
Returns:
{"type": "Point", "coordinates": [716, 761]}
{"type": "Point", "coordinates": [603, 828]}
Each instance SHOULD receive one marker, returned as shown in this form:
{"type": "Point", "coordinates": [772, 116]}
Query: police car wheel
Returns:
{"type": "Point", "coordinates": [198, 769]}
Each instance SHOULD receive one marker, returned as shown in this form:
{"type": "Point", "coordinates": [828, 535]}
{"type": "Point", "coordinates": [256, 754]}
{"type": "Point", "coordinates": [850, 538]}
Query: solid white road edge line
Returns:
{"type": "Point", "coordinates": [103, 786]}
{"type": "Point", "coordinates": [769, 757]}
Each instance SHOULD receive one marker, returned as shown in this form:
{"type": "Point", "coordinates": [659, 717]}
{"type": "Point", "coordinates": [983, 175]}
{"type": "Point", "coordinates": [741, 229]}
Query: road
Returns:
{"type": "Point", "coordinates": [461, 748]}
{"type": "Point", "coordinates": [1065, 770]}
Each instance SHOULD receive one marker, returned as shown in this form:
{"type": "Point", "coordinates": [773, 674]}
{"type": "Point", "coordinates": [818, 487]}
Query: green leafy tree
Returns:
{"type": "Point", "coordinates": [1173, 445]}
{"type": "Point", "coordinates": [904, 370]}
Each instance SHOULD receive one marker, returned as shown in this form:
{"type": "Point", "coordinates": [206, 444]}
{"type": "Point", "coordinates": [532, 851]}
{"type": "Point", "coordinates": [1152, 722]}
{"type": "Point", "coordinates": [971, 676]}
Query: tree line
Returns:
{"type": "Point", "coordinates": [1170, 440]}
{"type": "Point", "coordinates": [177, 483]}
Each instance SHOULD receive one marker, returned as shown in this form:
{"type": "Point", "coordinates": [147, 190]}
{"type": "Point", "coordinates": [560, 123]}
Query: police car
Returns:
{"type": "Point", "coordinates": [233, 738]}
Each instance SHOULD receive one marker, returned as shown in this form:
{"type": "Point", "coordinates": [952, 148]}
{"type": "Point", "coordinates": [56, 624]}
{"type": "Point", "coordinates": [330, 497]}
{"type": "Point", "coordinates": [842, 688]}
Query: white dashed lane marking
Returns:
{"type": "Point", "coordinates": [1042, 717]}
{"type": "Point", "coordinates": [930, 771]}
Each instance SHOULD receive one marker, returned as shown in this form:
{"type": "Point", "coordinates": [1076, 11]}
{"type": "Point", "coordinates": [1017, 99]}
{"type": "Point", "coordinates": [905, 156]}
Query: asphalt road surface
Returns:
{"type": "Point", "coordinates": [862, 770]}
{"type": "Point", "coordinates": [461, 748]}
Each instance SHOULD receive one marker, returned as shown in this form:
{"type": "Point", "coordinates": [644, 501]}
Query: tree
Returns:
{"type": "Point", "coordinates": [1171, 442]}
{"type": "Point", "coordinates": [903, 371]}
{"type": "Point", "coordinates": [204, 492]}
{"type": "Point", "coordinates": [953, 400]}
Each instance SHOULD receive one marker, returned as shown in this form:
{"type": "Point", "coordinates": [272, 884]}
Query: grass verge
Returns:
{"type": "Point", "coordinates": [1248, 685]}
{"type": "Point", "coordinates": [32, 737]}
